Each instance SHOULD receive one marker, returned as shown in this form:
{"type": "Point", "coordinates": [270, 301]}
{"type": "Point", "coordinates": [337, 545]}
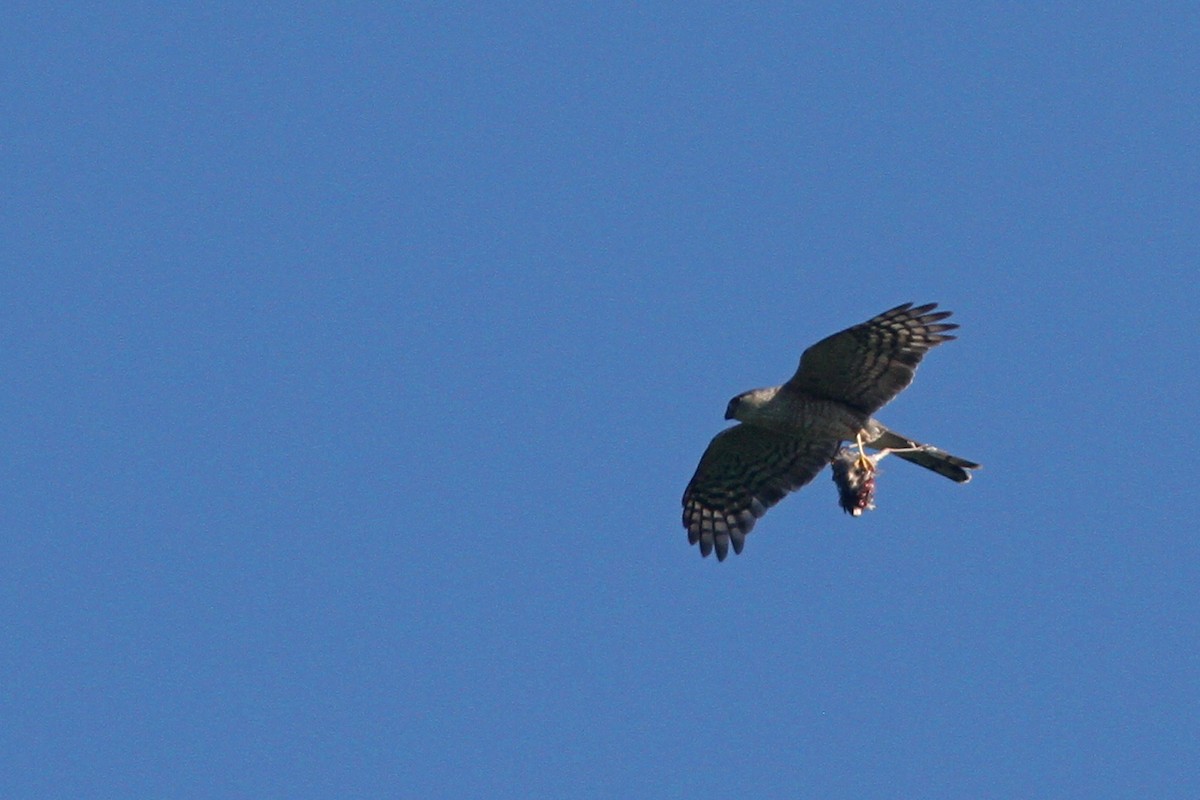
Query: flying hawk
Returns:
{"type": "Point", "coordinates": [787, 434]}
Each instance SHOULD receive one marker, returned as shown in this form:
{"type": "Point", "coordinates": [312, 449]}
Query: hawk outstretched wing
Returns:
{"type": "Point", "coordinates": [745, 471]}
{"type": "Point", "coordinates": [867, 365]}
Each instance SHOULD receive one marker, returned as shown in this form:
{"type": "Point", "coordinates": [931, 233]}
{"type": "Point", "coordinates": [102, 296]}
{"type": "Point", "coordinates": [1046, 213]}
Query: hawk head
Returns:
{"type": "Point", "coordinates": [745, 404]}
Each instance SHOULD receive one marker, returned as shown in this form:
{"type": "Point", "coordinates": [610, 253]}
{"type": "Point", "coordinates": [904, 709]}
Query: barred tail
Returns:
{"type": "Point", "coordinates": [924, 455]}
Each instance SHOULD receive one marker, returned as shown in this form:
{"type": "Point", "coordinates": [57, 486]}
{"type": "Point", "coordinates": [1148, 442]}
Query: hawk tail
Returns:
{"type": "Point", "coordinates": [924, 455]}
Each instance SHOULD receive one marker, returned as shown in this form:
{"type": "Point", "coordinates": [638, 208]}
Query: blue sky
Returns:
{"type": "Point", "coordinates": [355, 361]}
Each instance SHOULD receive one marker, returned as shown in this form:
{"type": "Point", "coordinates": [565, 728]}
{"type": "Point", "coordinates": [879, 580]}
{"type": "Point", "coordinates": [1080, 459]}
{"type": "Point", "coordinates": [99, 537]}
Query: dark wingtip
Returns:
{"type": "Point", "coordinates": [722, 545]}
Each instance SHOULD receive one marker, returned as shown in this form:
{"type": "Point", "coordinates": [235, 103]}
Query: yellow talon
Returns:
{"type": "Point", "coordinates": [863, 462]}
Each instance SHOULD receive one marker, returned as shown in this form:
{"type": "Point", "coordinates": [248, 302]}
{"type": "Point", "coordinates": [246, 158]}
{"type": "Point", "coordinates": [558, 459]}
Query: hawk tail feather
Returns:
{"type": "Point", "coordinates": [924, 455]}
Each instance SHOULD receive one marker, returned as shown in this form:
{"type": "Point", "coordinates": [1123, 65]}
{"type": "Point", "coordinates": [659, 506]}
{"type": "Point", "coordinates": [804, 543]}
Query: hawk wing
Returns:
{"type": "Point", "coordinates": [867, 365]}
{"type": "Point", "coordinates": [745, 471]}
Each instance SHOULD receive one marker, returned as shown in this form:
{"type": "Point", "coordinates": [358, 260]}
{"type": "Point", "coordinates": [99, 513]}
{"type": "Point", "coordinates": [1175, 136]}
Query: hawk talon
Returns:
{"type": "Point", "coordinates": [863, 462]}
{"type": "Point", "coordinates": [871, 463]}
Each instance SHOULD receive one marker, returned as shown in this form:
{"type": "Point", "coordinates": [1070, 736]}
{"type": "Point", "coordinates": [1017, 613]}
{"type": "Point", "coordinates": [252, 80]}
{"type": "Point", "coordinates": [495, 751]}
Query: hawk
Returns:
{"type": "Point", "coordinates": [787, 434]}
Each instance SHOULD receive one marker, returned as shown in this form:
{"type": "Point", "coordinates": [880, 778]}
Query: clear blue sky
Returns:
{"type": "Point", "coordinates": [354, 362]}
